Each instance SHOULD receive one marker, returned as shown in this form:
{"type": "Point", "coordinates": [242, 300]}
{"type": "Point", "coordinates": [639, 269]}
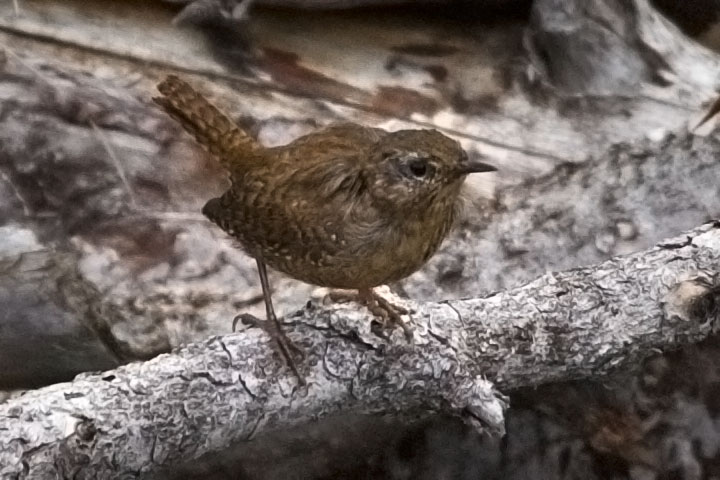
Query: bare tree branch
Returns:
{"type": "Point", "coordinates": [138, 270]}
{"type": "Point", "coordinates": [579, 323]}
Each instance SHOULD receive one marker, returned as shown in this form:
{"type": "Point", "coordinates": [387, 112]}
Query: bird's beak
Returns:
{"type": "Point", "coordinates": [474, 165]}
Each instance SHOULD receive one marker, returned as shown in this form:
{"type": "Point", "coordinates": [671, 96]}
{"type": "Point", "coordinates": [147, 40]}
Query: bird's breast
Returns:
{"type": "Point", "coordinates": [329, 244]}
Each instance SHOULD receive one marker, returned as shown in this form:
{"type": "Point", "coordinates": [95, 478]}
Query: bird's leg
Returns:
{"type": "Point", "coordinates": [389, 313]}
{"type": "Point", "coordinates": [272, 325]}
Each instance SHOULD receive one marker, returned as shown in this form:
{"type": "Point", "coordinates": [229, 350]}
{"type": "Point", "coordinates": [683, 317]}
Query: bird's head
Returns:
{"type": "Point", "coordinates": [415, 169]}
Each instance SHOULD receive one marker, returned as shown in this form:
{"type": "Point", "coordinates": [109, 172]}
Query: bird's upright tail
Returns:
{"type": "Point", "coordinates": [212, 128]}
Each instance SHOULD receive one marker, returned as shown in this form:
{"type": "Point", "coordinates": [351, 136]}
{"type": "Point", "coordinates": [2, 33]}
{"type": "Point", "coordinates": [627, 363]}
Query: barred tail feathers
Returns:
{"type": "Point", "coordinates": [210, 127]}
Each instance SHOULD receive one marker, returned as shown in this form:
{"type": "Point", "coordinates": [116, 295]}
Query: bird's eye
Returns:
{"type": "Point", "coordinates": [418, 167]}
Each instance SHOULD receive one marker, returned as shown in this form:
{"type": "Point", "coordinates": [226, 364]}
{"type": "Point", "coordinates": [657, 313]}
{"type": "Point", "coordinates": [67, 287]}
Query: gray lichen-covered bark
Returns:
{"type": "Point", "coordinates": [574, 324]}
{"type": "Point", "coordinates": [101, 192]}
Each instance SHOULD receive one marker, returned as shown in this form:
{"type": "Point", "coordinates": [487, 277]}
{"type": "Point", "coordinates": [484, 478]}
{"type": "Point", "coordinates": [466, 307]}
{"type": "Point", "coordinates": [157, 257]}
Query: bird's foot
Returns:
{"type": "Point", "coordinates": [388, 313]}
{"type": "Point", "coordinates": [287, 349]}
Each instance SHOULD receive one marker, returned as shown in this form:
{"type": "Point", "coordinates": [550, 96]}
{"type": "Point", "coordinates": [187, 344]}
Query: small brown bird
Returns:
{"type": "Point", "coordinates": [347, 207]}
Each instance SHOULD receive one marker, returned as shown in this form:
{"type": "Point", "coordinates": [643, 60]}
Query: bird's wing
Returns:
{"type": "Point", "coordinates": [308, 204]}
{"type": "Point", "coordinates": [342, 135]}
{"type": "Point", "coordinates": [325, 165]}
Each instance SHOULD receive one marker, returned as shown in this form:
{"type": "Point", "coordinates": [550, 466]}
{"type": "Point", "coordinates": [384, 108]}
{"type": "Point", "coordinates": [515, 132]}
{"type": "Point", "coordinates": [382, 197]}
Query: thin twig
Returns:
{"type": "Point", "coordinates": [173, 216]}
{"type": "Point", "coordinates": [22, 62]}
{"type": "Point", "coordinates": [26, 208]}
{"type": "Point", "coordinates": [118, 166]}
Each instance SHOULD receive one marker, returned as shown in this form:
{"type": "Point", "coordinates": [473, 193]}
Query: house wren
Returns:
{"type": "Point", "coordinates": [348, 207]}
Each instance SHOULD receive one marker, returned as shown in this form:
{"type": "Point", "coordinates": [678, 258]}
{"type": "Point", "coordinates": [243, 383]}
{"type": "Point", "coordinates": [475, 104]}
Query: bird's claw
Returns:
{"type": "Point", "coordinates": [287, 348]}
{"type": "Point", "coordinates": [248, 320]}
{"type": "Point", "coordinates": [387, 313]}
{"type": "Point", "coordinates": [390, 313]}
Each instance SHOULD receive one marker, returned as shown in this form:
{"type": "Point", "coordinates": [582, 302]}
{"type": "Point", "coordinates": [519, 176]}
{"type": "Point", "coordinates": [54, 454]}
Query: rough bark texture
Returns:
{"type": "Point", "coordinates": [562, 326]}
{"type": "Point", "coordinates": [612, 205]}
{"type": "Point", "coordinates": [580, 77]}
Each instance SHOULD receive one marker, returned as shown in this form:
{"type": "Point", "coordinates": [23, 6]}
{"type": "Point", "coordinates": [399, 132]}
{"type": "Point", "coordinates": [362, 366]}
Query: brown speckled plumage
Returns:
{"type": "Point", "coordinates": [322, 209]}
{"type": "Point", "coordinates": [348, 206]}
